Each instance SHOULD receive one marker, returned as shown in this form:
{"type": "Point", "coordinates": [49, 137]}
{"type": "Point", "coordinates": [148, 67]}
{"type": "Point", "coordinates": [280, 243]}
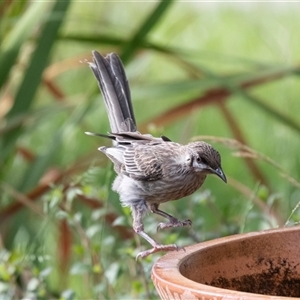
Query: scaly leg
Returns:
{"type": "Point", "coordinates": [173, 222]}
{"type": "Point", "coordinates": [137, 213]}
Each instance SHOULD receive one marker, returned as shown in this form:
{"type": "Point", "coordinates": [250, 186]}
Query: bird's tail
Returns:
{"type": "Point", "coordinates": [109, 72]}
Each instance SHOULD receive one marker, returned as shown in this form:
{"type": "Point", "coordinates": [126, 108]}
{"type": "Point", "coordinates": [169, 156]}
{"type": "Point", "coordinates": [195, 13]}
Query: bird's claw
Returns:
{"type": "Point", "coordinates": [158, 248]}
{"type": "Point", "coordinates": [175, 223]}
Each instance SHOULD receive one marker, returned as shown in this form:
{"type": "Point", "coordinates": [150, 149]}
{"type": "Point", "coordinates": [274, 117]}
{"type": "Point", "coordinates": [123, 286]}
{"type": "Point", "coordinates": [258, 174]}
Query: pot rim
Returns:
{"type": "Point", "coordinates": [166, 268]}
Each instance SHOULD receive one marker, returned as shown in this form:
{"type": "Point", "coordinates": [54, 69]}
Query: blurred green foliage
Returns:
{"type": "Point", "coordinates": [226, 73]}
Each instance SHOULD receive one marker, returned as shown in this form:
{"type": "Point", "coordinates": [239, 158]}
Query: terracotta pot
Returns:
{"type": "Point", "coordinates": [257, 265]}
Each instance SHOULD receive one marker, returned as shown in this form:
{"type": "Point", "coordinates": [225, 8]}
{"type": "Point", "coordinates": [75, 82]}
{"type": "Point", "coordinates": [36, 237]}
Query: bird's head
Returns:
{"type": "Point", "coordinates": [205, 159]}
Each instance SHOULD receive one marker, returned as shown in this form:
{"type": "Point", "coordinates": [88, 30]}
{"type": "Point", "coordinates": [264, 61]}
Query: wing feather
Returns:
{"type": "Point", "coordinates": [141, 157]}
{"type": "Point", "coordinates": [142, 163]}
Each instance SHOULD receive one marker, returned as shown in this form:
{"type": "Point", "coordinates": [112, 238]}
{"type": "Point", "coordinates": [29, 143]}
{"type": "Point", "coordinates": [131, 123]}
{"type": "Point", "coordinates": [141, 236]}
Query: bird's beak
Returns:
{"type": "Point", "coordinates": [219, 172]}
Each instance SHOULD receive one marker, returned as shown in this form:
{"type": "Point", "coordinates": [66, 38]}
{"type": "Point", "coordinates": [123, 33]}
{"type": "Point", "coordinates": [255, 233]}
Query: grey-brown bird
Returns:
{"type": "Point", "coordinates": [150, 170]}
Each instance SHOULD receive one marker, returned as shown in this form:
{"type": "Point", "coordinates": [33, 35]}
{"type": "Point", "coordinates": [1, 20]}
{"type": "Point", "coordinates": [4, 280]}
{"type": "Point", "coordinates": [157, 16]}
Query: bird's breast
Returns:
{"type": "Point", "coordinates": [174, 188]}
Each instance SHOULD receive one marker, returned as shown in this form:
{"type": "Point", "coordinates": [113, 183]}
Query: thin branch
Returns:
{"type": "Point", "coordinates": [237, 132]}
{"type": "Point", "coordinates": [21, 198]}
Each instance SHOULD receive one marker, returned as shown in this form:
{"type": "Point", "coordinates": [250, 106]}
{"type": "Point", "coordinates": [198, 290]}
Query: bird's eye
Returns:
{"type": "Point", "coordinates": [204, 161]}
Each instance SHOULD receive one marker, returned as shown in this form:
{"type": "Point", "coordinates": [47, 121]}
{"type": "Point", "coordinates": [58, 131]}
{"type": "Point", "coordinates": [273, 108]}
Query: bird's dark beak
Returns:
{"type": "Point", "coordinates": [219, 172]}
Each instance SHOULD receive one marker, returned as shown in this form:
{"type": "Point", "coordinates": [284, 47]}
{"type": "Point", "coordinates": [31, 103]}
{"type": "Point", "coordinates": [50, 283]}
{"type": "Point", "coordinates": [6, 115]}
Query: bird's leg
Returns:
{"type": "Point", "coordinates": [138, 227]}
{"type": "Point", "coordinates": [173, 222]}
{"type": "Point", "coordinates": [156, 247]}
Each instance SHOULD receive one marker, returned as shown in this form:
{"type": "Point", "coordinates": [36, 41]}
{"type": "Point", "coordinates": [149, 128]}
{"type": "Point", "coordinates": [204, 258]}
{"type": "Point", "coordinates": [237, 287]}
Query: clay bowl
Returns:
{"type": "Point", "coordinates": [257, 265]}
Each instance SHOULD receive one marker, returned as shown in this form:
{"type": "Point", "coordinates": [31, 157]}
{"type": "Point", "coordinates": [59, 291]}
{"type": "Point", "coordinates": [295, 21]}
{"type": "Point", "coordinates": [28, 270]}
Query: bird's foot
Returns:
{"type": "Point", "coordinates": [158, 248]}
{"type": "Point", "coordinates": [174, 223]}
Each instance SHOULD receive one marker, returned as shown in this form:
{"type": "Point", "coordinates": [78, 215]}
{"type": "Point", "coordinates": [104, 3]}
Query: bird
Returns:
{"type": "Point", "coordinates": [150, 170]}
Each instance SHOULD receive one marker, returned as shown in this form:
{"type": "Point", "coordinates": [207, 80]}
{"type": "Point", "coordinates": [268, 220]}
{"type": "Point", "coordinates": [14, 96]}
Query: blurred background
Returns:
{"type": "Point", "coordinates": [226, 73]}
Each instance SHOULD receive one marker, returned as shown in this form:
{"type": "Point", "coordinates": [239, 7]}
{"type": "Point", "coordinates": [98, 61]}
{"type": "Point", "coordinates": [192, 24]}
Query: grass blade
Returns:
{"type": "Point", "coordinates": [33, 75]}
{"type": "Point", "coordinates": [144, 29]}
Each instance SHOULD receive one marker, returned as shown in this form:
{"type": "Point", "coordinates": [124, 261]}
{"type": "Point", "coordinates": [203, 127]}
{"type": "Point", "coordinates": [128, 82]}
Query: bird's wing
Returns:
{"type": "Point", "coordinates": [141, 161]}
{"type": "Point", "coordinates": [139, 156]}
{"type": "Point", "coordinates": [125, 137]}
{"type": "Point", "coordinates": [137, 136]}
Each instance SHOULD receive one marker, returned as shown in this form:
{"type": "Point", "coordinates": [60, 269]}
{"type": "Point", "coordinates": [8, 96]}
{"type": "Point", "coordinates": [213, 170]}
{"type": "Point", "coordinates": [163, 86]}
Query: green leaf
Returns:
{"type": "Point", "coordinates": [67, 295]}
{"type": "Point", "coordinates": [92, 230]}
{"type": "Point", "coordinates": [22, 30]}
{"type": "Point", "coordinates": [112, 272]}
{"type": "Point", "coordinates": [80, 268]}
{"type": "Point", "coordinates": [45, 273]}
{"type": "Point", "coordinates": [33, 284]}
{"type": "Point", "coordinates": [32, 77]}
